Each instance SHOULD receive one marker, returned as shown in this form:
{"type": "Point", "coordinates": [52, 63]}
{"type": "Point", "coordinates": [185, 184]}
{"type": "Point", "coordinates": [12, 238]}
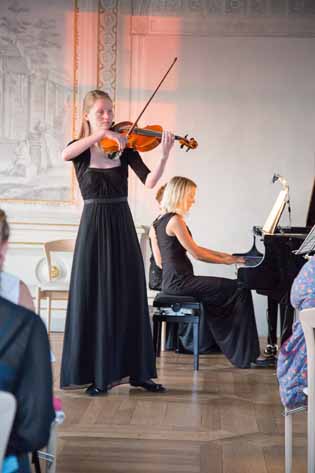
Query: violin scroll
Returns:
{"type": "Point", "coordinates": [190, 143]}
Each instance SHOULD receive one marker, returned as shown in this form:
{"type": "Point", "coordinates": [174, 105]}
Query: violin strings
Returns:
{"type": "Point", "coordinates": [158, 134]}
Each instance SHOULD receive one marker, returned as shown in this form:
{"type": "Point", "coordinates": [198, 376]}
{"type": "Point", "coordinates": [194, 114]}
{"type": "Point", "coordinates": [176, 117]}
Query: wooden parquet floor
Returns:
{"type": "Point", "coordinates": [219, 420]}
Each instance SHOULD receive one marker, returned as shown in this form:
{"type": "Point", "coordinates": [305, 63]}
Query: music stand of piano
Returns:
{"type": "Point", "coordinates": [308, 245]}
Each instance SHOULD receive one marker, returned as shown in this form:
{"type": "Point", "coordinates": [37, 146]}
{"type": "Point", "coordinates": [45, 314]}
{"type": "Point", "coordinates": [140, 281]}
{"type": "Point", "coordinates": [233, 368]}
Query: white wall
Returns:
{"type": "Point", "coordinates": [249, 102]}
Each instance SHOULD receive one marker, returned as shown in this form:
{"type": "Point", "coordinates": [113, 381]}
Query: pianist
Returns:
{"type": "Point", "coordinates": [229, 309]}
{"type": "Point", "coordinates": [182, 337]}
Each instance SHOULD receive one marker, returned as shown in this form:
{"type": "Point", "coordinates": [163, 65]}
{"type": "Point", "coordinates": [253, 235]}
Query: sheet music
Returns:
{"type": "Point", "coordinates": [276, 212]}
{"type": "Point", "coordinates": [308, 245]}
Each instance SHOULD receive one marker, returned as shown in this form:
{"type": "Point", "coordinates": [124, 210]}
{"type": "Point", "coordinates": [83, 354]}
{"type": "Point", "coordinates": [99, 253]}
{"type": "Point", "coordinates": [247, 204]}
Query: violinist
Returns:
{"type": "Point", "coordinates": [108, 337]}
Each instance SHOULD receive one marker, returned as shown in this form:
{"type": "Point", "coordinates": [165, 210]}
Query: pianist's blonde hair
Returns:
{"type": "Point", "coordinates": [176, 194]}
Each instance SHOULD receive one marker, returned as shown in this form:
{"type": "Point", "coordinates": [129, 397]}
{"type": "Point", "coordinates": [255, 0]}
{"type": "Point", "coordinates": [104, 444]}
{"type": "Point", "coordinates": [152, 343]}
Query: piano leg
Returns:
{"type": "Point", "coordinates": [272, 320]}
{"type": "Point", "coordinates": [286, 318]}
{"type": "Point", "coordinates": [286, 322]}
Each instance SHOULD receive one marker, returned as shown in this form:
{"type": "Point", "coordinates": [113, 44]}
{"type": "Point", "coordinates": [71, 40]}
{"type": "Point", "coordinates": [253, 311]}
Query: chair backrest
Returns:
{"type": "Point", "coordinates": [54, 246]}
{"type": "Point", "coordinates": [307, 318]}
{"type": "Point", "coordinates": [7, 412]}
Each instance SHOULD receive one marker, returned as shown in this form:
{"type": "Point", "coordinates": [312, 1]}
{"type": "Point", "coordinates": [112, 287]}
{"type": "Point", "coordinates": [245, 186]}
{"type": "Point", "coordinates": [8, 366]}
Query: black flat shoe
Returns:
{"type": "Point", "coordinates": [148, 385]}
{"type": "Point", "coordinates": [270, 362]}
{"type": "Point", "coordinates": [95, 391]}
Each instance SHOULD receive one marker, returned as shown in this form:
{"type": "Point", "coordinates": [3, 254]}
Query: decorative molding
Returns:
{"type": "Point", "coordinates": [96, 70]}
{"type": "Point", "coordinates": [244, 8]}
{"type": "Point", "coordinates": [107, 46]}
{"type": "Point", "coordinates": [224, 27]}
{"type": "Point", "coordinates": [86, 21]}
{"type": "Point", "coordinates": [37, 233]}
{"type": "Point", "coordinates": [75, 84]}
{"type": "Point", "coordinates": [279, 18]}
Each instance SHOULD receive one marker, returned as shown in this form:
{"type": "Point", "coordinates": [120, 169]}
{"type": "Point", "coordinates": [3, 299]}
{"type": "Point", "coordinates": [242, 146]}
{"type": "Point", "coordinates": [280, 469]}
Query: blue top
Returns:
{"type": "Point", "coordinates": [292, 360]}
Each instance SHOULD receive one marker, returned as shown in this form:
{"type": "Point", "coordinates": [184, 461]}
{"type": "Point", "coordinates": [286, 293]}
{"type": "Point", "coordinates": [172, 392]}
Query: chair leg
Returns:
{"type": "Point", "coordinates": [176, 336]}
{"type": "Point", "coordinates": [52, 449]}
{"type": "Point", "coordinates": [196, 346]}
{"type": "Point", "coordinates": [157, 336]}
{"type": "Point", "coordinates": [288, 441]}
{"type": "Point", "coordinates": [155, 330]}
{"type": "Point", "coordinates": [38, 296]}
{"type": "Point", "coordinates": [48, 314]}
{"type": "Point", "coordinates": [159, 330]}
{"type": "Point", "coordinates": [163, 336]}
{"type": "Point", "coordinates": [35, 462]}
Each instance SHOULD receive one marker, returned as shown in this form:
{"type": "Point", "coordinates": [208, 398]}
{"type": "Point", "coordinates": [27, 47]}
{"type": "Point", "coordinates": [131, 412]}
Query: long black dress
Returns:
{"type": "Point", "coordinates": [108, 335]}
{"type": "Point", "coordinates": [228, 308]}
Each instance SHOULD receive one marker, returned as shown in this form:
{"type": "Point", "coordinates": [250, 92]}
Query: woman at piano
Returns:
{"type": "Point", "coordinates": [229, 309]}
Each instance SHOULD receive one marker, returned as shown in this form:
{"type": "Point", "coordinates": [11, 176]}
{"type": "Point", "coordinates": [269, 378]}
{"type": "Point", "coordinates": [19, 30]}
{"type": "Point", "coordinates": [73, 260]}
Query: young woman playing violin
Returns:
{"type": "Point", "coordinates": [229, 311]}
{"type": "Point", "coordinates": [108, 336]}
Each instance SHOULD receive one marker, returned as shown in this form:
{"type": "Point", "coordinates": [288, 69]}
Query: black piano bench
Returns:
{"type": "Point", "coordinates": [176, 309]}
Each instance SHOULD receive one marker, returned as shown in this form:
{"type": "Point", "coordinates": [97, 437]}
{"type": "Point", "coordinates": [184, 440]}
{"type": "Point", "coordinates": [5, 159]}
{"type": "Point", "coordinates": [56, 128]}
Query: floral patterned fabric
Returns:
{"type": "Point", "coordinates": [292, 360]}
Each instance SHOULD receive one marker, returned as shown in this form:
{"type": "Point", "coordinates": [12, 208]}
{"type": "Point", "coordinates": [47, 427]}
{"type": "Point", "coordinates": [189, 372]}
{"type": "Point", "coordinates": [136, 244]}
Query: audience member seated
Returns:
{"type": "Point", "coordinates": [25, 371]}
{"type": "Point", "coordinates": [292, 359]}
{"type": "Point", "coordinates": [229, 311]}
{"type": "Point", "coordinates": [11, 287]}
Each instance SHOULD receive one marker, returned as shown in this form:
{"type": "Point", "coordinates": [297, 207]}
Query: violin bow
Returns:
{"type": "Point", "coordinates": [133, 126]}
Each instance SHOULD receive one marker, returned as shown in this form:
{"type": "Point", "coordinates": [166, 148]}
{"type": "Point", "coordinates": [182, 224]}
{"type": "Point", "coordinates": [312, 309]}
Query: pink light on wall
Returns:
{"type": "Point", "coordinates": [146, 54]}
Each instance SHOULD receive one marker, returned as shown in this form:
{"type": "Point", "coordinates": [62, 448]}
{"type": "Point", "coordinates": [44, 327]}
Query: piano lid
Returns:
{"type": "Point", "coordinates": [310, 220]}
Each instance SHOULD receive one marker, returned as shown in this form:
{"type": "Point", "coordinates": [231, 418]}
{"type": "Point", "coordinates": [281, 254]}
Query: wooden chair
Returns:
{"type": "Point", "coordinates": [7, 412]}
{"type": "Point", "coordinates": [56, 288]}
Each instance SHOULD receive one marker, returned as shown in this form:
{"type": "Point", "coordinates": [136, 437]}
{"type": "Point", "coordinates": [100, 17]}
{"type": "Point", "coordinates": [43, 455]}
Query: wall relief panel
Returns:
{"type": "Point", "coordinates": [36, 98]}
{"type": "Point", "coordinates": [50, 55]}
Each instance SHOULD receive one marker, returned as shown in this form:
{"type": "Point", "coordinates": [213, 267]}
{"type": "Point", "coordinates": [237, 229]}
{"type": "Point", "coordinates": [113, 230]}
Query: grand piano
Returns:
{"type": "Point", "coordinates": [272, 273]}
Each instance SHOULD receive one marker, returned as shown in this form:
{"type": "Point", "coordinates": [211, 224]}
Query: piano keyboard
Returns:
{"type": "Point", "coordinates": [252, 260]}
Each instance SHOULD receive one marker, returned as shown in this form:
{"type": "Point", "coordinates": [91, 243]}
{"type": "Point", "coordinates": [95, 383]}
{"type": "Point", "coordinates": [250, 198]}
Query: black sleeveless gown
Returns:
{"type": "Point", "coordinates": [107, 335]}
{"type": "Point", "coordinates": [229, 310]}
{"type": "Point", "coordinates": [184, 332]}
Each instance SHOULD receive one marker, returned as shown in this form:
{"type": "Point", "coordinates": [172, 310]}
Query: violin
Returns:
{"type": "Point", "coordinates": [147, 138]}
{"type": "Point", "coordinates": [142, 139]}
